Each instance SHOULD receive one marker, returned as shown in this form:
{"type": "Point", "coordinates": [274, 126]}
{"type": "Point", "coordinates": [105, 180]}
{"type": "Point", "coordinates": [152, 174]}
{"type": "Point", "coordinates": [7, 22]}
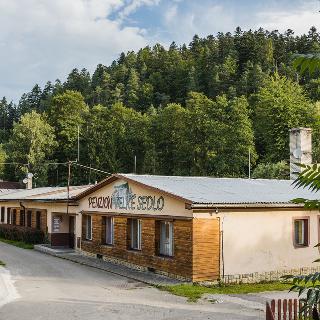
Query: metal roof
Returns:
{"type": "Point", "coordinates": [6, 191]}
{"type": "Point", "coordinates": [208, 190]}
{"type": "Point", "coordinates": [43, 194]}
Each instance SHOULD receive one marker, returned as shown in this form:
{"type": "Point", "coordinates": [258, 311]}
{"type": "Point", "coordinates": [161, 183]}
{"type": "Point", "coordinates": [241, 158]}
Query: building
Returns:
{"type": "Point", "coordinates": [196, 228]}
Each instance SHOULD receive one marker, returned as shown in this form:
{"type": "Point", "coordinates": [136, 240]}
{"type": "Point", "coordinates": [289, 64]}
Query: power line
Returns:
{"type": "Point", "coordinates": [90, 168]}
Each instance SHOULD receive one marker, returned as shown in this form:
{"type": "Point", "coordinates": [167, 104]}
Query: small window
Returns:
{"type": "Point", "coordinates": [109, 230]}
{"type": "Point", "coordinates": [135, 234]}
{"type": "Point", "coordinates": [8, 216]}
{"type": "Point", "coordinates": [38, 220]}
{"type": "Point", "coordinates": [2, 213]}
{"type": "Point", "coordinates": [301, 232]}
{"type": "Point", "coordinates": [14, 217]}
{"type": "Point", "coordinates": [166, 238]}
{"type": "Point", "coordinates": [29, 218]}
{"type": "Point", "coordinates": [22, 218]}
{"type": "Point", "coordinates": [89, 228]}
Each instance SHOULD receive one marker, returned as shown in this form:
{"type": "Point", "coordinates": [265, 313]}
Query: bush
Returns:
{"type": "Point", "coordinates": [24, 234]}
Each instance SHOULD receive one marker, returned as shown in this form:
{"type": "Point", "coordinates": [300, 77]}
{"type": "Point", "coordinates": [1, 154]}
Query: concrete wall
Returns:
{"type": "Point", "coordinates": [262, 240]}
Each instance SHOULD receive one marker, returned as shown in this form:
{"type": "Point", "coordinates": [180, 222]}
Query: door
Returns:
{"type": "Point", "coordinates": [71, 231]}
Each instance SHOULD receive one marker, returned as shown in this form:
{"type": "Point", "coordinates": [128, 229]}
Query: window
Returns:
{"type": "Point", "coordinates": [89, 228]}
{"type": "Point", "coordinates": [8, 216]}
{"type": "Point", "coordinates": [108, 230]}
{"type": "Point", "coordinates": [135, 227]}
{"type": "Point", "coordinates": [301, 232]}
{"type": "Point", "coordinates": [38, 220]}
{"type": "Point", "coordinates": [14, 217]}
{"type": "Point", "coordinates": [2, 213]}
{"type": "Point", "coordinates": [29, 218]}
{"type": "Point", "coordinates": [166, 238]}
{"type": "Point", "coordinates": [22, 218]}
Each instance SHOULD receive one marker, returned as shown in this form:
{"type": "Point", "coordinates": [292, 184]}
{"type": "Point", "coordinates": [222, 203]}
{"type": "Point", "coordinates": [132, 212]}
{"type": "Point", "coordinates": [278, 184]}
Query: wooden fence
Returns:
{"type": "Point", "coordinates": [289, 309]}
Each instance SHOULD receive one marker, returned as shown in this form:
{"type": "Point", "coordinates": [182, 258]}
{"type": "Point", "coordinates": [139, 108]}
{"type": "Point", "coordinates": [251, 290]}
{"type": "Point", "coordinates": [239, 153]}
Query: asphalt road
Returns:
{"type": "Point", "coordinates": [44, 287]}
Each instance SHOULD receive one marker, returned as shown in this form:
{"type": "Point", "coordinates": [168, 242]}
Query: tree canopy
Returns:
{"type": "Point", "coordinates": [195, 109]}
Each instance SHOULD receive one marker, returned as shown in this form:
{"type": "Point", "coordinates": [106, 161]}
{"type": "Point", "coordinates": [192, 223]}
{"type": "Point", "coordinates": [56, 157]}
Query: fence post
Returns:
{"type": "Point", "coordinates": [269, 313]}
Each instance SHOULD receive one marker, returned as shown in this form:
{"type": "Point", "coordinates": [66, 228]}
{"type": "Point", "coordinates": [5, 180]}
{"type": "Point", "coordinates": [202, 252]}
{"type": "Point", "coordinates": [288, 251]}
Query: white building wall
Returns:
{"type": "Point", "coordinates": [262, 241]}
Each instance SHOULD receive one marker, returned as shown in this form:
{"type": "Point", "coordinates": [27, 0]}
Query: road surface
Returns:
{"type": "Point", "coordinates": [36, 286]}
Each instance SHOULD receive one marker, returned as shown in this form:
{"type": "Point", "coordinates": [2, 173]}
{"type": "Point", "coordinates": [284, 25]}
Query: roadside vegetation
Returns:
{"type": "Point", "coordinates": [2, 264]}
{"type": "Point", "coordinates": [194, 291]}
{"type": "Point", "coordinates": [19, 244]}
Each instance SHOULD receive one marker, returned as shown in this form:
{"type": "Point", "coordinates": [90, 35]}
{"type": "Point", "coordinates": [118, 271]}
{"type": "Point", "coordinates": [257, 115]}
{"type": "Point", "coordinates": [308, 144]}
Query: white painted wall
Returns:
{"type": "Point", "coordinates": [262, 240]}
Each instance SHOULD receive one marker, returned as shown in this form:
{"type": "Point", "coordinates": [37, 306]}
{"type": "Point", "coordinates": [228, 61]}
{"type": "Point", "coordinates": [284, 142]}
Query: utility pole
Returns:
{"type": "Point", "coordinates": [135, 164]}
{"type": "Point", "coordinates": [249, 163]}
{"type": "Point", "coordinates": [68, 185]}
{"type": "Point", "coordinates": [78, 143]}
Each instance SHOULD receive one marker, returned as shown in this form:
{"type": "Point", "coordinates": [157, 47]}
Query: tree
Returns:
{"type": "Point", "coordinates": [279, 105]}
{"type": "Point", "coordinates": [219, 135]}
{"type": "Point", "coordinates": [67, 112]}
{"type": "Point", "coordinates": [32, 142]}
{"type": "Point", "coordinates": [169, 131]}
{"type": "Point", "coordinates": [3, 158]}
{"type": "Point", "coordinates": [279, 170]}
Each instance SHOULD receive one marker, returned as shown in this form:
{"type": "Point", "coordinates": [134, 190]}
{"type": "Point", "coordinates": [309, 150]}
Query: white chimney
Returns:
{"type": "Point", "coordinates": [300, 149]}
{"type": "Point", "coordinates": [28, 181]}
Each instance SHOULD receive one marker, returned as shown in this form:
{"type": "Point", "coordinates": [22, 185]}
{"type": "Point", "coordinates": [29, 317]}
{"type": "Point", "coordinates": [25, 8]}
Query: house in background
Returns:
{"type": "Point", "coordinates": [196, 228]}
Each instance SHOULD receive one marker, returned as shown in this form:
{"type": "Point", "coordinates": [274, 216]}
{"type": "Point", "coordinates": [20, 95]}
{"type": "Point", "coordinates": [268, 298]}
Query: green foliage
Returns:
{"type": "Point", "coordinates": [190, 109]}
{"type": "Point", "coordinates": [279, 170]}
{"type": "Point", "coordinates": [3, 158]}
{"type": "Point", "coordinates": [307, 62]}
{"type": "Point", "coordinates": [280, 105]}
{"type": "Point", "coordinates": [21, 234]}
{"type": "Point", "coordinates": [194, 292]}
{"type": "Point", "coordinates": [309, 284]}
{"type": "Point", "coordinates": [31, 143]}
{"type": "Point", "coordinates": [67, 111]}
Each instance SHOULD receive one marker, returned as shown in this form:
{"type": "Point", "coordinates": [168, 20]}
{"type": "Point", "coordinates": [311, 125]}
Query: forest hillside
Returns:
{"type": "Point", "coordinates": [195, 109]}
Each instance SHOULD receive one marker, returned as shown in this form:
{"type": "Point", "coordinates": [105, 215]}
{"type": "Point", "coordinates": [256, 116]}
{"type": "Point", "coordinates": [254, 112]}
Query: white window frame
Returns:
{"type": "Point", "coordinates": [301, 223]}
{"type": "Point", "coordinates": [166, 242]}
{"type": "Point", "coordinates": [111, 231]}
{"type": "Point", "coordinates": [137, 236]}
{"type": "Point", "coordinates": [88, 235]}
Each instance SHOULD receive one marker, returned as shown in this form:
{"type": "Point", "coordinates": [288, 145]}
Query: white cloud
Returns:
{"type": "Point", "coordinates": [133, 5]}
{"type": "Point", "coordinates": [209, 18]}
{"type": "Point", "coordinates": [299, 19]}
{"type": "Point", "coordinates": [43, 40]}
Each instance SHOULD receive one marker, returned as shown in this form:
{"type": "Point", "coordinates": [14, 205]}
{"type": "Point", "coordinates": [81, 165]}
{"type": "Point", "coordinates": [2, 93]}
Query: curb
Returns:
{"type": "Point", "coordinates": [155, 279]}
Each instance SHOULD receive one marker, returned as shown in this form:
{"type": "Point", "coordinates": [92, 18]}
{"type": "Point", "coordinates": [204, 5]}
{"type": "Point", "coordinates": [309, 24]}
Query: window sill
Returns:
{"type": "Point", "coordinates": [134, 250]}
{"type": "Point", "coordinates": [107, 245]}
{"type": "Point", "coordinates": [165, 257]}
{"type": "Point", "coordinates": [297, 246]}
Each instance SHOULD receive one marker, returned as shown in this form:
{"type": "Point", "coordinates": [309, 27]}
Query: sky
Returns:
{"type": "Point", "coordinates": [42, 40]}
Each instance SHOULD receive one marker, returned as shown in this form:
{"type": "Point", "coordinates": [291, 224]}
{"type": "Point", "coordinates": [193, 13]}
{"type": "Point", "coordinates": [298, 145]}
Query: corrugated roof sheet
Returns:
{"type": "Point", "coordinates": [207, 190]}
{"type": "Point", "coordinates": [45, 193]}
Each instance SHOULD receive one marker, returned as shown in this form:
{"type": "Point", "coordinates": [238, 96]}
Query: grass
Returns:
{"type": "Point", "coordinates": [194, 292]}
{"type": "Point", "coordinates": [2, 264]}
{"type": "Point", "coordinates": [19, 244]}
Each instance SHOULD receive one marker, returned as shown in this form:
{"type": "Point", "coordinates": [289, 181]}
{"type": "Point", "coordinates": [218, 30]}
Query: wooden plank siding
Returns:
{"type": "Point", "coordinates": [206, 249]}
{"type": "Point", "coordinates": [196, 246]}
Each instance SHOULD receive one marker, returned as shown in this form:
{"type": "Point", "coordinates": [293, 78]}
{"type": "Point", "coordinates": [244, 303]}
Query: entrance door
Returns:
{"type": "Point", "coordinates": [71, 231]}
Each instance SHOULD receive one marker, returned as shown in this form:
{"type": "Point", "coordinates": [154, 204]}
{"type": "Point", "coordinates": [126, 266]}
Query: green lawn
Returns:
{"type": "Point", "coordinates": [19, 244]}
{"type": "Point", "coordinates": [2, 263]}
{"type": "Point", "coordinates": [194, 292]}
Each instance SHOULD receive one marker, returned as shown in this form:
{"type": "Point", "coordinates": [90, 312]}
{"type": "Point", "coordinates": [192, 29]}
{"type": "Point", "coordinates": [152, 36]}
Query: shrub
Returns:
{"type": "Point", "coordinates": [25, 234]}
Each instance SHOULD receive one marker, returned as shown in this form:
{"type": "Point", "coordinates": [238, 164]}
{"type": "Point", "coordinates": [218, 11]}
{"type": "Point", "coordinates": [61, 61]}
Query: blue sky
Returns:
{"type": "Point", "coordinates": [43, 40]}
